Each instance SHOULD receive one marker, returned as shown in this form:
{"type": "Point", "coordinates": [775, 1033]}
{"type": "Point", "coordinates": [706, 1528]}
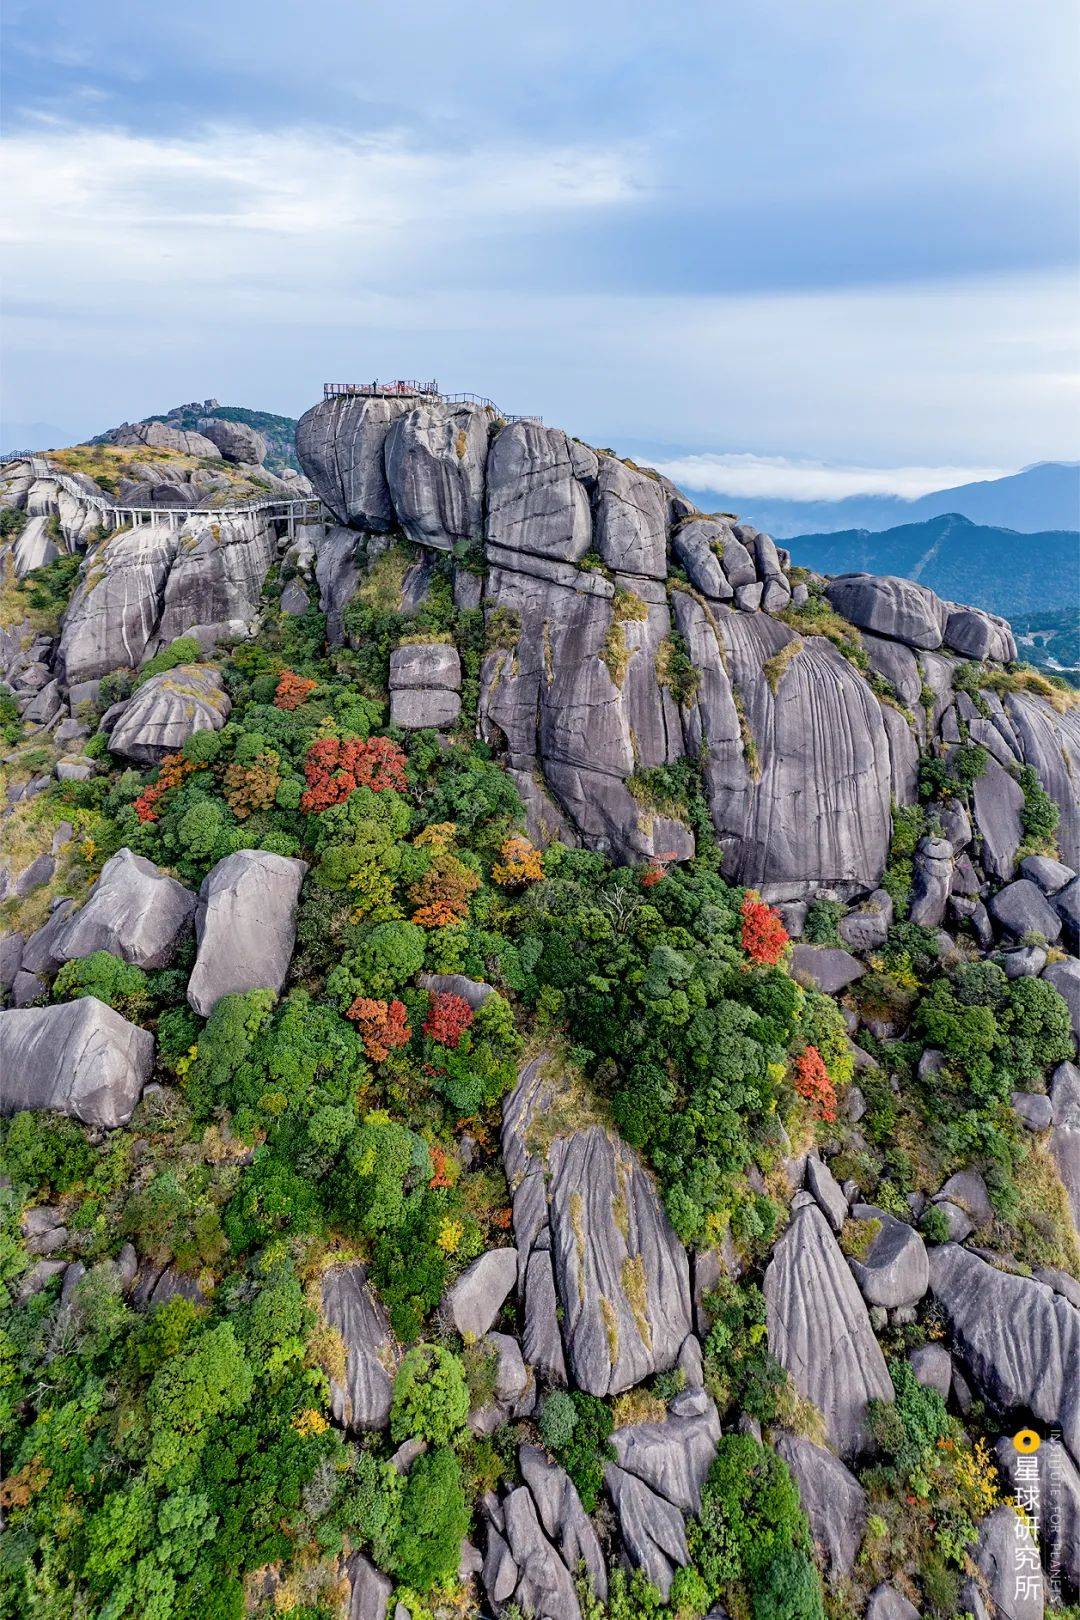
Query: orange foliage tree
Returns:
{"type": "Point", "coordinates": [813, 1084]}
{"type": "Point", "coordinates": [441, 896]}
{"type": "Point", "coordinates": [382, 1025]}
{"type": "Point", "coordinates": [336, 767]}
{"type": "Point", "coordinates": [764, 937]}
{"type": "Point", "coordinates": [519, 862]}
{"type": "Point", "coordinates": [292, 690]}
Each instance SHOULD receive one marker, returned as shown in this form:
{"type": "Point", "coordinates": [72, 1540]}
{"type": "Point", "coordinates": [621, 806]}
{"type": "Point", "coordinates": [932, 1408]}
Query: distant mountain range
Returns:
{"type": "Point", "coordinates": [1045, 496]}
{"type": "Point", "coordinates": [988, 566]}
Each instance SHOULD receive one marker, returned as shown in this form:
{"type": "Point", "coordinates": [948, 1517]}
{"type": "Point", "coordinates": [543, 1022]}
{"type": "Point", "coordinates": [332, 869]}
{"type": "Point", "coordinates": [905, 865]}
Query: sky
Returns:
{"type": "Point", "coordinates": [805, 250]}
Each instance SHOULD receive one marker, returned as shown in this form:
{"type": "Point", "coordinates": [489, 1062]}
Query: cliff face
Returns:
{"type": "Point", "coordinates": [635, 632]}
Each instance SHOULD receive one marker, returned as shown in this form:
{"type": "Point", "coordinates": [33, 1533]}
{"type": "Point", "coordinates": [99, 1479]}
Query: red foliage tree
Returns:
{"type": "Point", "coordinates": [764, 937]}
{"type": "Point", "coordinates": [382, 1025]}
{"type": "Point", "coordinates": [813, 1084]}
{"type": "Point", "coordinates": [448, 1018]}
{"type": "Point", "coordinates": [174, 768]}
{"type": "Point", "coordinates": [292, 690]}
{"type": "Point", "coordinates": [336, 767]}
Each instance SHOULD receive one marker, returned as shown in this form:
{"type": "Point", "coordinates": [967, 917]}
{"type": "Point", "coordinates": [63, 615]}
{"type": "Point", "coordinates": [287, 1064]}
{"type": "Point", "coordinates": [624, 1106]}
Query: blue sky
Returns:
{"type": "Point", "coordinates": [827, 244]}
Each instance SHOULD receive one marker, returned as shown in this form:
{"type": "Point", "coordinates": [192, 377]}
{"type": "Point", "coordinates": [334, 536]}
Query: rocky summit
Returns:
{"type": "Point", "coordinates": [539, 1047]}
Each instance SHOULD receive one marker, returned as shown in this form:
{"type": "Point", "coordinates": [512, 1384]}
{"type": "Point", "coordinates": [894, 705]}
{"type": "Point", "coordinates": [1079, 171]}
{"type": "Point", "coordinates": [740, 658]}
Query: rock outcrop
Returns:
{"type": "Point", "coordinates": [246, 926]}
{"type": "Point", "coordinates": [78, 1058]}
{"type": "Point", "coordinates": [165, 711]}
{"type": "Point", "coordinates": [1018, 1341]}
{"type": "Point", "coordinates": [362, 1400]}
{"type": "Point", "coordinates": [135, 911]}
{"type": "Point", "coordinates": [607, 1254]}
{"type": "Point", "coordinates": [582, 687]}
{"type": "Point", "coordinates": [819, 1330]}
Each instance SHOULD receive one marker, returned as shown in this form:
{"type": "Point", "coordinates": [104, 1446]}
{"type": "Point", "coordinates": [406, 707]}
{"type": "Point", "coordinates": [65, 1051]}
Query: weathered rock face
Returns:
{"type": "Point", "coordinates": [363, 1400]}
{"type": "Point", "coordinates": [246, 926]}
{"type": "Point", "coordinates": [819, 1329]}
{"type": "Point", "coordinates": [141, 588]}
{"type": "Point", "coordinates": [1065, 1137]}
{"type": "Point", "coordinates": [833, 1500]}
{"type": "Point", "coordinates": [425, 680]}
{"type": "Point", "coordinates": [895, 1270]}
{"type": "Point", "coordinates": [134, 911]}
{"type": "Point", "coordinates": [156, 436]}
{"type": "Point", "coordinates": [236, 441]}
{"type": "Point", "coordinates": [589, 1217]}
{"type": "Point", "coordinates": [475, 1300]}
{"type": "Point", "coordinates": [1019, 1341]}
{"type": "Point", "coordinates": [79, 1058]}
{"type": "Point", "coordinates": [167, 710]}
{"type": "Point", "coordinates": [801, 759]}
{"type": "Point", "coordinates": [673, 1457]}
{"type": "Point", "coordinates": [435, 460]}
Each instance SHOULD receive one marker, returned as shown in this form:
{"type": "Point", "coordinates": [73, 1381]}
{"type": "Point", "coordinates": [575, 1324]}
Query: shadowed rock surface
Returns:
{"type": "Point", "coordinates": [245, 925]}
{"type": "Point", "coordinates": [79, 1058]}
{"type": "Point", "coordinates": [819, 1330]}
{"type": "Point", "coordinates": [135, 911]}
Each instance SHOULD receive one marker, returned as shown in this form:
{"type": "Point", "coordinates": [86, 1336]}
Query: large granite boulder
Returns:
{"type": "Point", "coordinates": [1065, 1132]}
{"type": "Point", "coordinates": [886, 1603]}
{"type": "Point", "coordinates": [819, 1330]}
{"type": "Point", "coordinates": [362, 1400]}
{"type": "Point", "coordinates": [894, 1272]}
{"type": "Point", "coordinates": [1018, 1341]}
{"type": "Point", "coordinates": [1021, 908]}
{"type": "Point", "coordinates": [245, 925]}
{"type": "Point", "coordinates": [369, 1591]}
{"type": "Point", "coordinates": [475, 1300]}
{"type": "Point", "coordinates": [216, 578]}
{"type": "Point", "coordinates": [827, 967]}
{"type": "Point", "coordinates": [897, 608]}
{"type": "Point", "coordinates": [115, 607]}
{"type": "Point", "coordinates": [166, 710]}
{"type": "Point", "coordinates": [435, 457]}
{"type": "Point", "coordinates": [135, 911]}
{"type": "Point", "coordinates": [236, 441]}
{"type": "Point", "coordinates": [606, 1281]}
{"type": "Point", "coordinates": [522, 1563]}
{"type": "Point", "coordinates": [653, 1530]}
{"type": "Point", "coordinates": [621, 1273]}
{"type": "Point", "coordinates": [832, 1498]}
{"type": "Point", "coordinates": [79, 1058]}
{"type": "Point", "coordinates": [673, 1456]}
{"type": "Point", "coordinates": [997, 802]}
{"type": "Point", "coordinates": [341, 443]}
{"type": "Point", "coordinates": [564, 1520]}
{"type": "Point", "coordinates": [538, 491]}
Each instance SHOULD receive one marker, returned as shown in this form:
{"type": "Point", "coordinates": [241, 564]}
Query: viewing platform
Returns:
{"type": "Point", "coordinates": [422, 392]}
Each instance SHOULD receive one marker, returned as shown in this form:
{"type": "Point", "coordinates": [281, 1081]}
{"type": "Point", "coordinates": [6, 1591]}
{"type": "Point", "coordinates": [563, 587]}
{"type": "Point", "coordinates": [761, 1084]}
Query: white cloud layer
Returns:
{"type": "Point", "coordinates": [141, 269]}
{"type": "Point", "coordinates": [756, 477]}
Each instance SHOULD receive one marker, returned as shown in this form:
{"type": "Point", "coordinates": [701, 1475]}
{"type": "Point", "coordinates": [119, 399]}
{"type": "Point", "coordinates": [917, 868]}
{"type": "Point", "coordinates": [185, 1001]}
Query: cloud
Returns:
{"type": "Point", "coordinates": [108, 194]}
{"type": "Point", "coordinates": [749, 476]}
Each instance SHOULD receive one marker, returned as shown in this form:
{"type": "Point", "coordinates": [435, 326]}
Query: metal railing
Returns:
{"type": "Point", "coordinates": [274, 508]}
{"type": "Point", "coordinates": [403, 389]}
{"type": "Point", "coordinates": [400, 387]}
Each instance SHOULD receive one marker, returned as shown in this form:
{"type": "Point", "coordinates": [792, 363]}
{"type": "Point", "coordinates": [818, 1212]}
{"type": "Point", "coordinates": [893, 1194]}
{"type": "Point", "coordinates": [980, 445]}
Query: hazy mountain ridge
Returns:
{"type": "Point", "coordinates": [1003, 570]}
{"type": "Point", "coordinates": [1042, 497]}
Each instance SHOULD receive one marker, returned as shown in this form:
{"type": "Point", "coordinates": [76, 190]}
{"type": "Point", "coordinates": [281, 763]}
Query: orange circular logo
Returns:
{"type": "Point", "coordinates": [1026, 1440]}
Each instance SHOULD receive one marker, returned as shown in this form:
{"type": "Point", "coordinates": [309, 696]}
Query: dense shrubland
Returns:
{"type": "Point", "coordinates": [160, 1462]}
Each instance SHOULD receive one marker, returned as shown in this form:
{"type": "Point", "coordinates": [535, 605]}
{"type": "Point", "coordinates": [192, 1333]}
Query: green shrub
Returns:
{"type": "Point", "coordinates": [431, 1398]}
{"type": "Point", "coordinates": [118, 984]}
{"type": "Point", "coordinates": [558, 1417]}
{"type": "Point", "coordinates": [434, 1519]}
{"type": "Point", "coordinates": [822, 922]}
{"type": "Point", "coordinates": [184, 650]}
{"type": "Point", "coordinates": [752, 1524]}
